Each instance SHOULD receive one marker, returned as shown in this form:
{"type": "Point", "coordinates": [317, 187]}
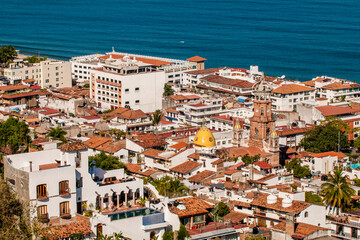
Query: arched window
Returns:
{"type": "Point", "coordinates": [306, 214]}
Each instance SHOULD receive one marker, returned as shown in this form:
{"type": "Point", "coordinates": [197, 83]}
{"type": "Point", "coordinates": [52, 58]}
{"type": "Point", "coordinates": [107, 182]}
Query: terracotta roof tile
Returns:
{"type": "Point", "coordinates": [73, 146]}
{"type": "Point", "coordinates": [292, 88]}
{"type": "Point", "coordinates": [112, 147]}
{"type": "Point", "coordinates": [201, 176]}
{"type": "Point", "coordinates": [331, 153]}
{"type": "Point", "coordinates": [178, 146]}
{"type": "Point", "coordinates": [263, 165]}
{"type": "Point", "coordinates": [13, 87]}
{"type": "Point", "coordinates": [193, 206]}
{"type": "Point", "coordinates": [268, 177]}
{"type": "Point", "coordinates": [292, 131]}
{"type": "Point", "coordinates": [219, 161]}
{"type": "Point", "coordinates": [149, 140]}
{"type": "Point", "coordinates": [227, 81]}
{"type": "Point", "coordinates": [231, 172]}
{"type": "Point", "coordinates": [330, 110]}
{"type": "Point", "coordinates": [301, 229]}
{"type": "Point", "coordinates": [196, 59]}
{"type": "Point", "coordinates": [152, 61]}
{"type": "Point", "coordinates": [205, 71]}
{"type": "Point", "coordinates": [96, 141]}
{"type": "Point", "coordinates": [152, 152]}
{"type": "Point", "coordinates": [195, 156]}
{"type": "Point", "coordinates": [186, 167]}
{"type": "Point", "coordinates": [235, 217]}
{"type": "Point", "coordinates": [19, 95]}
{"type": "Point", "coordinates": [239, 203]}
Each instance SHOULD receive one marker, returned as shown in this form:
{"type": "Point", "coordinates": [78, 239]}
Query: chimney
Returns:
{"type": "Point", "coordinates": [30, 166]}
{"type": "Point", "coordinates": [290, 224]}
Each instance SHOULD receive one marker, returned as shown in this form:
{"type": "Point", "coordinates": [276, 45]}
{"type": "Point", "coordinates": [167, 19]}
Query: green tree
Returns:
{"type": "Point", "coordinates": [221, 210]}
{"type": "Point", "coordinates": [337, 191]}
{"type": "Point", "coordinates": [298, 170]}
{"type": "Point", "coordinates": [106, 162]}
{"type": "Point", "coordinates": [156, 117]}
{"type": "Point", "coordinates": [117, 133]}
{"type": "Point", "coordinates": [86, 85]}
{"type": "Point", "coordinates": [342, 99]}
{"type": "Point", "coordinates": [168, 235]}
{"type": "Point", "coordinates": [357, 143]}
{"type": "Point", "coordinates": [168, 91]}
{"type": "Point", "coordinates": [170, 187]}
{"type": "Point", "coordinates": [7, 53]}
{"type": "Point", "coordinates": [313, 198]}
{"type": "Point", "coordinates": [182, 233]}
{"type": "Point", "coordinates": [247, 159]}
{"type": "Point", "coordinates": [14, 135]}
{"type": "Point", "coordinates": [14, 216]}
{"type": "Point", "coordinates": [325, 137]}
{"type": "Point", "coordinates": [35, 59]}
{"type": "Point", "coordinates": [57, 134]}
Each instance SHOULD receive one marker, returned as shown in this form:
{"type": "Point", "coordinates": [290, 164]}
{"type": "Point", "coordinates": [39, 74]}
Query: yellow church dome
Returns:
{"type": "Point", "coordinates": [204, 138]}
{"type": "Point", "coordinates": [274, 134]}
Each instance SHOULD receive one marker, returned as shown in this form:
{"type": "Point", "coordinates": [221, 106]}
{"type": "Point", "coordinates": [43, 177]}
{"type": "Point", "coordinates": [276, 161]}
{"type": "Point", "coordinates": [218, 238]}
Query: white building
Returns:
{"type": "Point", "coordinates": [122, 81]}
{"type": "Point", "coordinates": [80, 66]}
{"type": "Point", "coordinates": [286, 97]}
{"type": "Point", "coordinates": [58, 184]}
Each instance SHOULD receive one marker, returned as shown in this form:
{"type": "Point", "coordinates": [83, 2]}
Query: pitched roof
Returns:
{"type": "Point", "coordinates": [331, 153]}
{"type": "Point", "coordinates": [185, 167]}
{"type": "Point", "coordinates": [73, 146]}
{"type": "Point", "coordinates": [195, 156]}
{"type": "Point", "coordinates": [178, 146]}
{"type": "Point", "coordinates": [263, 165]}
{"type": "Point", "coordinates": [216, 162]}
{"type": "Point", "coordinates": [193, 206]}
{"type": "Point", "coordinates": [235, 217]}
{"type": "Point", "coordinates": [112, 147]}
{"type": "Point", "coordinates": [302, 230]}
{"type": "Point", "coordinates": [227, 81]}
{"type": "Point", "coordinates": [339, 86]}
{"type": "Point", "coordinates": [13, 87]}
{"type": "Point", "coordinates": [96, 141]}
{"type": "Point", "coordinates": [201, 176]}
{"type": "Point", "coordinates": [132, 114]}
{"type": "Point", "coordinates": [293, 131]}
{"type": "Point", "coordinates": [152, 152]}
{"type": "Point", "coordinates": [231, 172]}
{"type": "Point", "coordinates": [292, 88]}
{"type": "Point", "coordinates": [196, 59]}
{"type": "Point", "coordinates": [19, 95]}
{"type": "Point", "coordinates": [149, 140]}
{"type": "Point", "coordinates": [268, 177]}
{"type": "Point", "coordinates": [241, 204]}
{"type": "Point", "coordinates": [331, 110]}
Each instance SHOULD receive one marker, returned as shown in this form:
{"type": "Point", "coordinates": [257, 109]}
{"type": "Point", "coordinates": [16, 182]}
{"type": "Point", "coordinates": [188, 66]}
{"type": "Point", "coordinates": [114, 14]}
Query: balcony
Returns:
{"type": "Point", "coordinates": [65, 215]}
{"type": "Point", "coordinates": [43, 197]}
{"type": "Point", "coordinates": [44, 218]}
{"type": "Point", "coordinates": [65, 192]}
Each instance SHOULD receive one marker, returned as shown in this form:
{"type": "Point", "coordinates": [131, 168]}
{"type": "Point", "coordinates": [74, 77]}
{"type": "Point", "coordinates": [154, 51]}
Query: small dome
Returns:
{"type": "Point", "coordinates": [204, 138]}
{"type": "Point", "coordinates": [274, 134]}
{"type": "Point", "coordinates": [271, 199]}
{"type": "Point", "coordinates": [286, 202]}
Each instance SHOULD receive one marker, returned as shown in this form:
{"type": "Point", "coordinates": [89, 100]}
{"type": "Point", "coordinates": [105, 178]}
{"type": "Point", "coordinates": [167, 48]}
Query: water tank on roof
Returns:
{"type": "Point", "coordinates": [286, 202]}
{"type": "Point", "coordinates": [271, 199]}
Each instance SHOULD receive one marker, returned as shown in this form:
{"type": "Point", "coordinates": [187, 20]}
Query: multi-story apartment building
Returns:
{"type": "Point", "coordinates": [80, 66]}
{"type": "Point", "coordinates": [127, 82]}
{"type": "Point", "coordinates": [47, 74]}
{"type": "Point", "coordinates": [286, 97]}
{"type": "Point", "coordinates": [197, 114]}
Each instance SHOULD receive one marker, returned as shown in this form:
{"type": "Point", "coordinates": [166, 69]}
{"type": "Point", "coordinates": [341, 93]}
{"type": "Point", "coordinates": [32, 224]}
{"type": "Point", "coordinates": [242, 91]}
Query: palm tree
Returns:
{"type": "Point", "coordinates": [337, 191]}
{"type": "Point", "coordinates": [156, 117]}
{"type": "Point", "coordinates": [57, 134]}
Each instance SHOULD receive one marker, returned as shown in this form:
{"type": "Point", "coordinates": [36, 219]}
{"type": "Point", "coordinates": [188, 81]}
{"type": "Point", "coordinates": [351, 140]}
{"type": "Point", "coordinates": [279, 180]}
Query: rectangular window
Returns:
{"type": "Point", "coordinates": [137, 89]}
{"type": "Point", "coordinates": [64, 208]}
{"type": "Point", "coordinates": [42, 210]}
{"type": "Point", "coordinates": [64, 187]}
{"type": "Point", "coordinates": [41, 191]}
{"type": "Point", "coordinates": [137, 101]}
{"type": "Point", "coordinates": [127, 90]}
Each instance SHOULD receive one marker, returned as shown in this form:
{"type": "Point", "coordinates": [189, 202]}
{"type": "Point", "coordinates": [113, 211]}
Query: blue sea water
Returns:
{"type": "Point", "coordinates": [300, 39]}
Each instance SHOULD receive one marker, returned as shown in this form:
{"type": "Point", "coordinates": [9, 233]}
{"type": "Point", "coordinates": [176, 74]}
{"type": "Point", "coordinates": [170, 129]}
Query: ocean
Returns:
{"type": "Point", "coordinates": [299, 39]}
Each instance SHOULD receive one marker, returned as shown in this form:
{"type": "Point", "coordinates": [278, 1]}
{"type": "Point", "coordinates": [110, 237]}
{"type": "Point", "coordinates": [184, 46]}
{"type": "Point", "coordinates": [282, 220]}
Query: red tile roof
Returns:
{"type": "Point", "coordinates": [73, 146]}
{"type": "Point", "coordinates": [331, 153]}
{"type": "Point", "coordinates": [227, 81]}
{"type": "Point", "coordinates": [96, 141]}
{"type": "Point", "coordinates": [149, 140]}
{"type": "Point", "coordinates": [335, 110]}
{"type": "Point", "coordinates": [263, 165]}
{"type": "Point", "coordinates": [235, 217]}
{"type": "Point", "coordinates": [292, 88]}
{"type": "Point", "coordinates": [201, 176]}
{"type": "Point", "coordinates": [193, 206]}
{"type": "Point", "coordinates": [186, 167]}
{"type": "Point", "coordinates": [231, 172]}
{"type": "Point", "coordinates": [196, 59]}
{"type": "Point", "coordinates": [302, 230]}
{"type": "Point", "coordinates": [152, 61]}
{"type": "Point", "coordinates": [112, 147]}
{"type": "Point", "coordinates": [19, 95]}
{"type": "Point", "coordinates": [293, 131]}
{"type": "Point", "coordinates": [178, 146]}
{"type": "Point", "coordinates": [152, 152]}
{"type": "Point", "coordinates": [35, 87]}
{"type": "Point", "coordinates": [13, 87]}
